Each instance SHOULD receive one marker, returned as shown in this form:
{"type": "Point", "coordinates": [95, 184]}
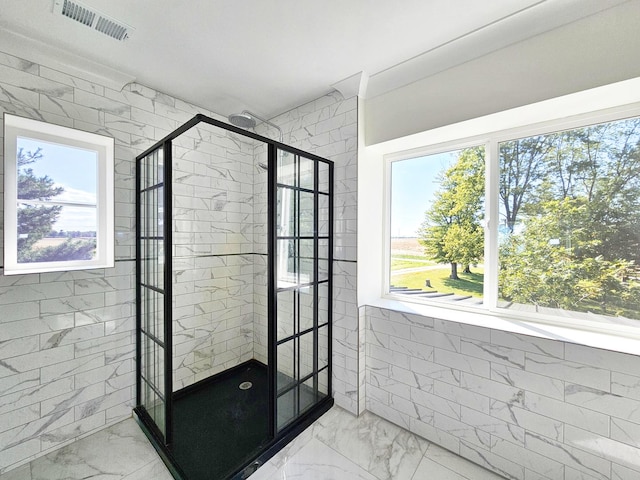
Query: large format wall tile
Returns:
{"type": "Point", "coordinates": [67, 349]}
{"type": "Point", "coordinates": [524, 407]}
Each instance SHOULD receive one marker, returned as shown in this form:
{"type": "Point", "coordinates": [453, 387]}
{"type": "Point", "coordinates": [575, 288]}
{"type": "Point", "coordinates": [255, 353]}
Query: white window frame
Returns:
{"type": "Point", "coordinates": [609, 103]}
{"type": "Point", "coordinates": [15, 127]}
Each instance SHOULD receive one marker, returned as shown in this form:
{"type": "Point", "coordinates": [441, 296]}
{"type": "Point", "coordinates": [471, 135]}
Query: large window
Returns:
{"type": "Point", "coordinates": [567, 237]}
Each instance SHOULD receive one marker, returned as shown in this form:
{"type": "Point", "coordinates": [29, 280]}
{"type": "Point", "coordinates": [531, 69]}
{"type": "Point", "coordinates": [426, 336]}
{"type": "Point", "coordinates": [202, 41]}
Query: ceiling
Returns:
{"type": "Point", "coordinates": [270, 56]}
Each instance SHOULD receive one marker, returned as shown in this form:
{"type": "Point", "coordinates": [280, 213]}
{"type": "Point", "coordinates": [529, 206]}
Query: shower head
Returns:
{"type": "Point", "coordinates": [246, 119]}
{"type": "Point", "coordinates": [242, 120]}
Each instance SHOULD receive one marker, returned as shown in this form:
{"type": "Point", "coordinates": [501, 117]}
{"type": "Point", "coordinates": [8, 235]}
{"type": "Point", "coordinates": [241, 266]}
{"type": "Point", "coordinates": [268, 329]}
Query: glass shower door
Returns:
{"type": "Point", "coordinates": [303, 259]}
{"type": "Point", "coordinates": [153, 295]}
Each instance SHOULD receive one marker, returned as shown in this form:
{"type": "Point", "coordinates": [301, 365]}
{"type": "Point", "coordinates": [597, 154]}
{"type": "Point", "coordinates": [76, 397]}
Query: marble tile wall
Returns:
{"type": "Point", "coordinates": [213, 289]}
{"type": "Point", "coordinates": [67, 340]}
{"type": "Point", "coordinates": [328, 127]}
{"type": "Point", "coordinates": [523, 407]}
{"type": "Point", "coordinates": [67, 347]}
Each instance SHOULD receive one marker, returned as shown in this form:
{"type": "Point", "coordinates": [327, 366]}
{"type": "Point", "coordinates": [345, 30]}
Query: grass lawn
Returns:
{"type": "Point", "coordinates": [468, 284]}
{"type": "Point", "coordinates": [401, 261]}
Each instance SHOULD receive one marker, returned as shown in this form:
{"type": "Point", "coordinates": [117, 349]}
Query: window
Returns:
{"type": "Point", "coordinates": [58, 198]}
{"type": "Point", "coordinates": [569, 233]}
{"type": "Point", "coordinates": [567, 239]}
{"type": "Point", "coordinates": [437, 209]}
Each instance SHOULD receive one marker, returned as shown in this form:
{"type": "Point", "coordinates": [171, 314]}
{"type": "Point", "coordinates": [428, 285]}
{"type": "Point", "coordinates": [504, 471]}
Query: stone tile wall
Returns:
{"type": "Point", "coordinates": [526, 408]}
{"type": "Point", "coordinates": [67, 340]}
{"type": "Point", "coordinates": [213, 237]}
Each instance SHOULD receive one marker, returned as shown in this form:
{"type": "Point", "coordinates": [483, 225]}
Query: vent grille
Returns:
{"type": "Point", "coordinates": [92, 19]}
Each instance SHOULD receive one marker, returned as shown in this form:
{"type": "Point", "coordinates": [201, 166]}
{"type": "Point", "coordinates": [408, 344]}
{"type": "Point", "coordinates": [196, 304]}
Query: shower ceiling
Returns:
{"type": "Point", "coordinates": [273, 55]}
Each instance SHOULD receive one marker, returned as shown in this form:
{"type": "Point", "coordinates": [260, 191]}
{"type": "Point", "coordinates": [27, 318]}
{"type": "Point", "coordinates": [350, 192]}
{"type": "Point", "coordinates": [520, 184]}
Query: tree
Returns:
{"type": "Point", "coordinates": [34, 221]}
{"type": "Point", "coordinates": [576, 245]}
{"type": "Point", "coordinates": [522, 165]}
{"type": "Point", "coordinates": [451, 232]}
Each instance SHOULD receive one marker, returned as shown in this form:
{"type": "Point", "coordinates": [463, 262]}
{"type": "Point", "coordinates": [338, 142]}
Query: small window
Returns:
{"type": "Point", "coordinates": [58, 198]}
{"type": "Point", "coordinates": [436, 222]}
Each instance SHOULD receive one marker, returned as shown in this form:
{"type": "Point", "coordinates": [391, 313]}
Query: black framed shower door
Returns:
{"type": "Point", "coordinates": [300, 260]}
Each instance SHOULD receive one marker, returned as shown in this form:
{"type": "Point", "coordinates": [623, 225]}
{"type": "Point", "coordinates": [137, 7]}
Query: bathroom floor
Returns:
{"type": "Point", "coordinates": [337, 446]}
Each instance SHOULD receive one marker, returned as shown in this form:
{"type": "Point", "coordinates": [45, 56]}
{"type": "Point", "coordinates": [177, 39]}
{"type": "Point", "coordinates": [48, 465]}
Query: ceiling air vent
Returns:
{"type": "Point", "coordinates": [92, 18]}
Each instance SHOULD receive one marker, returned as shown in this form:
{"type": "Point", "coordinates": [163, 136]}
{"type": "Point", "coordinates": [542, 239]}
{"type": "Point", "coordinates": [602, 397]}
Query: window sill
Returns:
{"type": "Point", "coordinates": [617, 338]}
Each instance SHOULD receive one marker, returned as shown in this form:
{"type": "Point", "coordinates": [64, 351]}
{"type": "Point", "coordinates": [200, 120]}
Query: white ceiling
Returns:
{"type": "Point", "coordinates": [271, 55]}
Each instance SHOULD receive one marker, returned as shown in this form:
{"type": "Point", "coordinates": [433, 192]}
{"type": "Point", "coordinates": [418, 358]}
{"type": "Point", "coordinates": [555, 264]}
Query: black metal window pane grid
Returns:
{"type": "Point", "coordinates": [163, 269]}
{"type": "Point", "coordinates": [286, 309]}
{"type": "Point", "coordinates": [312, 268]}
{"type": "Point", "coordinates": [150, 290]}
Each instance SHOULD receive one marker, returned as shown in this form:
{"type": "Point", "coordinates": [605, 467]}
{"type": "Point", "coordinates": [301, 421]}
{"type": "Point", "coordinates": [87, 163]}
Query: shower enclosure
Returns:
{"type": "Point", "coordinates": [234, 269]}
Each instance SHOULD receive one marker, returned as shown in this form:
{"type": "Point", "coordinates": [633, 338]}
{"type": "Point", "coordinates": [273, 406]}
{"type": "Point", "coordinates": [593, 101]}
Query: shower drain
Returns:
{"type": "Point", "coordinates": [245, 385]}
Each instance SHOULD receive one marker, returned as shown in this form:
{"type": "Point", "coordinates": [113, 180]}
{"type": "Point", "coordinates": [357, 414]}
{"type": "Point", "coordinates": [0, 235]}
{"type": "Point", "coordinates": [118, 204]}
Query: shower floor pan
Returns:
{"type": "Point", "coordinates": [221, 425]}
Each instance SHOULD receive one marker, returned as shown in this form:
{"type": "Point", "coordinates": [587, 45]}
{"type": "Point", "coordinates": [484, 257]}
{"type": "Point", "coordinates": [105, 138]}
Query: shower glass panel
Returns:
{"type": "Point", "coordinates": [303, 217]}
{"type": "Point", "coordinates": [152, 388]}
{"type": "Point", "coordinates": [234, 257]}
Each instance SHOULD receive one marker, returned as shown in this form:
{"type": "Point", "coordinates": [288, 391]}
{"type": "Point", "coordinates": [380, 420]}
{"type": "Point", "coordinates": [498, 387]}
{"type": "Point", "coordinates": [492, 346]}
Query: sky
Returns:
{"type": "Point", "coordinates": [413, 184]}
{"type": "Point", "coordinates": [75, 170]}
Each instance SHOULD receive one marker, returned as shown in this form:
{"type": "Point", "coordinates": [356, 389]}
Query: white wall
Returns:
{"type": "Point", "coordinates": [594, 51]}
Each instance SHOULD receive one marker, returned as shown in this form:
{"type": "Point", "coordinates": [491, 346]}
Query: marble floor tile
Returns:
{"type": "Point", "coordinates": [382, 448]}
{"type": "Point", "coordinates": [316, 461]}
{"type": "Point", "coordinates": [338, 446]}
{"type": "Point", "coordinates": [455, 463]}
{"type": "Point", "coordinates": [119, 452]}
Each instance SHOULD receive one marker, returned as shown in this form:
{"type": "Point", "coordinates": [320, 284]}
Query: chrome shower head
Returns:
{"type": "Point", "coordinates": [242, 120]}
{"type": "Point", "coordinates": [246, 119]}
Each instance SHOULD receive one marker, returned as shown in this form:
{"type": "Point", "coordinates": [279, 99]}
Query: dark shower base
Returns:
{"type": "Point", "coordinates": [218, 427]}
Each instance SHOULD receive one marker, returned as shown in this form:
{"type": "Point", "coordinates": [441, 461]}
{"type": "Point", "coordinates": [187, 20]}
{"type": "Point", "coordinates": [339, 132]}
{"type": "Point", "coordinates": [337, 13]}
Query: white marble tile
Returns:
{"type": "Point", "coordinates": [528, 381]}
{"type": "Point", "coordinates": [430, 469]}
{"type": "Point", "coordinates": [576, 458]}
{"type": "Point", "coordinates": [567, 413]}
{"type": "Point", "coordinates": [491, 389]}
{"type": "Point", "coordinates": [377, 445]}
{"type": "Point", "coordinates": [505, 467]}
{"type": "Point", "coordinates": [493, 353]}
{"type": "Point", "coordinates": [317, 461]}
{"type": "Point", "coordinates": [620, 453]}
{"type": "Point", "coordinates": [618, 472]}
{"type": "Point", "coordinates": [596, 357]}
{"type": "Point", "coordinates": [529, 421]}
{"type": "Point", "coordinates": [453, 463]}
{"type": "Point", "coordinates": [526, 343]}
{"type": "Point", "coordinates": [111, 453]}
{"type": "Point", "coordinates": [602, 401]}
{"type": "Point", "coordinates": [569, 371]}
{"type": "Point", "coordinates": [462, 362]}
{"type": "Point", "coordinates": [546, 467]}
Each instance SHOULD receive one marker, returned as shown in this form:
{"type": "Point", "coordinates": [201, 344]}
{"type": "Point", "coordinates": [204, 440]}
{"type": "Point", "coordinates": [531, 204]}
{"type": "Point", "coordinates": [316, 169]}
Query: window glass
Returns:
{"type": "Point", "coordinates": [437, 237]}
{"type": "Point", "coordinates": [569, 233]}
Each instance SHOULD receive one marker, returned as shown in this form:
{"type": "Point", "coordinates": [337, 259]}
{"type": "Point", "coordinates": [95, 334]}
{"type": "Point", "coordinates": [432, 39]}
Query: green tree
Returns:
{"type": "Point", "coordinates": [522, 167]}
{"type": "Point", "coordinates": [576, 245]}
{"type": "Point", "coordinates": [34, 221]}
{"type": "Point", "coordinates": [451, 232]}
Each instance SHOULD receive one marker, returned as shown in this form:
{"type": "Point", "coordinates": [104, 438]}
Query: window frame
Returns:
{"type": "Point", "coordinates": [491, 140]}
{"type": "Point", "coordinates": [16, 127]}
